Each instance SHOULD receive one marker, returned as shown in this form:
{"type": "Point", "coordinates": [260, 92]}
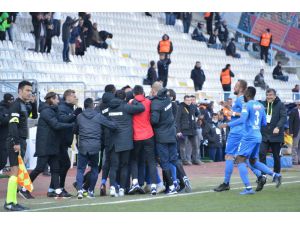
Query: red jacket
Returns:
{"type": "Point", "coordinates": [142, 128]}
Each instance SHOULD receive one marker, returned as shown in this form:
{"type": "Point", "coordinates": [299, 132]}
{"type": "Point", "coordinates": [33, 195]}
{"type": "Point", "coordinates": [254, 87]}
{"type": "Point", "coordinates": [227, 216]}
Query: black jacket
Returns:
{"type": "Point", "coordinates": [37, 26]}
{"type": "Point", "coordinates": [277, 71]}
{"type": "Point", "coordinates": [121, 113]}
{"type": "Point", "coordinates": [209, 133]}
{"type": "Point", "coordinates": [66, 115]}
{"type": "Point", "coordinates": [279, 117]}
{"type": "Point", "coordinates": [66, 28]}
{"type": "Point", "coordinates": [4, 119]}
{"type": "Point", "coordinates": [223, 33]}
{"type": "Point", "coordinates": [294, 122]}
{"type": "Point", "coordinates": [162, 118]}
{"type": "Point", "coordinates": [89, 127]}
{"type": "Point", "coordinates": [163, 68]}
{"type": "Point", "coordinates": [198, 35]}
{"type": "Point", "coordinates": [231, 49]}
{"type": "Point", "coordinates": [47, 135]}
{"type": "Point", "coordinates": [197, 75]}
{"type": "Point", "coordinates": [186, 120]}
{"type": "Point", "coordinates": [212, 39]}
{"type": "Point", "coordinates": [104, 35]}
{"type": "Point", "coordinates": [151, 75]}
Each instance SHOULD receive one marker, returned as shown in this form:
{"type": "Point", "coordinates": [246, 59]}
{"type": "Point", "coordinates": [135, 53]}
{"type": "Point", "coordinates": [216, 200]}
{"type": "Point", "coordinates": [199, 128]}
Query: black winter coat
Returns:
{"type": "Point", "coordinates": [294, 122]}
{"type": "Point", "coordinates": [151, 75]}
{"type": "Point", "coordinates": [279, 117]}
{"type": "Point", "coordinates": [121, 113]}
{"type": "Point", "coordinates": [37, 26]}
{"type": "Point", "coordinates": [66, 28]}
{"type": "Point", "coordinates": [162, 118]}
{"type": "Point", "coordinates": [66, 115]}
{"type": "Point", "coordinates": [163, 68]}
{"type": "Point", "coordinates": [186, 120]}
{"type": "Point", "coordinates": [4, 119]}
{"type": "Point", "coordinates": [89, 127]}
{"type": "Point", "coordinates": [47, 136]}
{"type": "Point", "coordinates": [231, 49]}
{"type": "Point", "coordinates": [209, 133]}
{"type": "Point", "coordinates": [197, 75]}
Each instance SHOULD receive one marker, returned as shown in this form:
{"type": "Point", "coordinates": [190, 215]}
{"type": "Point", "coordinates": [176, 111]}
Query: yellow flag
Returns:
{"type": "Point", "coordinates": [23, 176]}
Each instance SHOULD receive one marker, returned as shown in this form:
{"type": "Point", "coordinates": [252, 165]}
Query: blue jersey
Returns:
{"type": "Point", "coordinates": [254, 117]}
{"type": "Point", "coordinates": [236, 124]}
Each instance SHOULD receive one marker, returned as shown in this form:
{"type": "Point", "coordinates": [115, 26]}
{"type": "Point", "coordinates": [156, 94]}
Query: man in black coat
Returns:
{"type": "Point", "coordinates": [198, 76]}
{"type": "Point", "coordinates": [67, 114]}
{"type": "Point", "coordinates": [121, 139]}
{"type": "Point", "coordinates": [187, 132]}
{"type": "Point", "coordinates": [66, 34]}
{"type": "Point", "coordinates": [231, 49]}
{"type": "Point", "coordinates": [8, 99]}
{"type": "Point", "coordinates": [40, 32]}
{"type": "Point", "coordinates": [273, 133]}
{"type": "Point", "coordinates": [294, 127]}
{"type": "Point", "coordinates": [89, 127]}
{"type": "Point", "coordinates": [151, 74]}
{"type": "Point", "coordinates": [163, 68]}
{"type": "Point", "coordinates": [198, 33]}
{"type": "Point", "coordinates": [277, 73]}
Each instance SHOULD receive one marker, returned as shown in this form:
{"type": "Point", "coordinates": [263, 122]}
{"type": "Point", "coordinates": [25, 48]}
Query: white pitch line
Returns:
{"type": "Point", "coordinates": [75, 200]}
{"type": "Point", "coordinates": [139, 200]}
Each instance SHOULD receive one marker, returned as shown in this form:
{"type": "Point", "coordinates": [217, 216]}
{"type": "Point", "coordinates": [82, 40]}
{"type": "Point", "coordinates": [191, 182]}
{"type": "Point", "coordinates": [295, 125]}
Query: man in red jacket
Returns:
{"type": "Point", "coordinates": [143, 137]}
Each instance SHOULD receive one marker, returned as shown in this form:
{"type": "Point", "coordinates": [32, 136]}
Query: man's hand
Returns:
{"type": "Point", "coordinates": [179, 134]}
{"type": "Point", "coordinates": [17, 148]}
{"type": "Point", "coordinates": [222, 126]}
{"type": "Point", "coordinates": [276, 130]}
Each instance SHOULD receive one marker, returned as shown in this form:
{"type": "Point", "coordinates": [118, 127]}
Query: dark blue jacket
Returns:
{"type": "Point", "coordinates": [66, 115]}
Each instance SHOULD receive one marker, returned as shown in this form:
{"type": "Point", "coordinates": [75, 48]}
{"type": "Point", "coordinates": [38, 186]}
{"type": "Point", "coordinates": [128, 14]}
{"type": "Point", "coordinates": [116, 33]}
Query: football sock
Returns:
{"type": "Point", "coordinates": [255, 171]}
{"type": "Point", "coordinates": [12, 187]}
{"type": "Point", "coordinates": [228, 171]}
{"type": "Point", "coordinates": [244, 173]}
{"type": "Point", "coordinates": [263, 168]}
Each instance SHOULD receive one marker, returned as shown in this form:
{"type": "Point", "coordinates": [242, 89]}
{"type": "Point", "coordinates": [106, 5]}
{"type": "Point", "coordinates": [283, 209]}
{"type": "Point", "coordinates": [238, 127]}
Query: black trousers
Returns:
{"type": "Point", "coordinates": [53, 162]}
{"type": "Point", "coordinates": [64, 165]}
{"type": "Point", "coordinates": [198, 86]}
{"type": "Point", "coordinates": [275, 147]}
{"type": "Point", "coordinates": [106, 164]}
{"type": "Point", "coordinates": [3, 154]}
{"type": "Point", "coordinates": [48, 45]}
{"type": "Point", "coordinates": [264, 53]}
{"type": "Point", "coordinates": [2, 36]}
{"type": "Point", "coordinates": [119, 161]}
{"type": "Point", "coordinates": [145, 147]}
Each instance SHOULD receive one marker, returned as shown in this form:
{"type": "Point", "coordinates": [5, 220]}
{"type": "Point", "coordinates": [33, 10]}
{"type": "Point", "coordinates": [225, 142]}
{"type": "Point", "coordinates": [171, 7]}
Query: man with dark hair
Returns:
{"type": "Point", "coordinates": [126, 89]}
{"type": "Point", "coordinates": [151, 74]}
{"type": "Point", "coordinates": [265, 43]}
{"type": "Point", "coordinates": [294, 129]}
{"type": "Point", "coordinates": [254, 117]}
{"type": "Point", "coordinates": [16, 142]}
{"type": "Point", "coordinates": [277, 73]}
{"type": "Point", "coordinates": [121, 140]}
{"type": "Point", "coordinates": [198, 33]}
{"type": "Point", "coordinates": [259, 80]}
{"type": "Point", "coordinates": [89, 128]}
{"type": "Point", "coordinates": [163, 69]}
{"type": "Point", "coordinates": [231, 49]}
{"type": "Point", "coordinates": [40, 32]}
{"type": "Point", "coordinates": [198, 76]}
{"type": "Point", "coordinates": [5, 104]}
{"type": "Point", "coordinates": [273, 132]}
{"type": "Point", "coordinates": [67, 114]}
{"type": "Point", "coordinates": [110, 88]}
{"type": "Point", "coordinates": [143, 140]}
{"type": "Point", "coordinates": [225, 79]}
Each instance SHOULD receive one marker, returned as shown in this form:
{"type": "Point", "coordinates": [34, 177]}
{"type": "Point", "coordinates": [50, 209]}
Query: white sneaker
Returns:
{"type": "Point", "coordinates": [80, 194]}
{"type": "Point", "coordinates": [121, 192]}
{"type": "Point", "coordinates": [113, 192]}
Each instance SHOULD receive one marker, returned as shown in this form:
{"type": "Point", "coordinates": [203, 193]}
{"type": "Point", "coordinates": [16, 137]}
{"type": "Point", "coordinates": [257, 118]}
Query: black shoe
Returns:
{"type": "Point", "coordinates": [103, 190]}
{"type": "Point", "coordinates": [277, 179]}
{"type": "Point", "coordinates": [65, 194]}
{"type": "Point", "coordinates": [14, 207]}
{"type": "Point", "coordinates": [25, 194]}
{"type": "Point", "coordinates": [51, 194]}
{"type": "Point", "coordinates": [261, 182]}
{"type": "Point", "coordinates": [222, 187]}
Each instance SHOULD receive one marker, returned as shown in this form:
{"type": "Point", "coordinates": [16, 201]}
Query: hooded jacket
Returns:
{"type": "Point", "coordinates": [142, 129]}
{"type": "Point", "coordinates": [121, 113]}
{"type": "Point", "coordinates": [279, 117]}
{"type": "Point", "coordinates": [66, 28]}
{"type": "Point", "coordinates": [162, 118]}
{"type": "Point", "coordinates": [89, 127]}
{"type": "Point", "coordinates": [197, 75]}
{"type": "Point", "coordinates": [4, 119]}
{"type": "Point", "coordinates": [47, 135]}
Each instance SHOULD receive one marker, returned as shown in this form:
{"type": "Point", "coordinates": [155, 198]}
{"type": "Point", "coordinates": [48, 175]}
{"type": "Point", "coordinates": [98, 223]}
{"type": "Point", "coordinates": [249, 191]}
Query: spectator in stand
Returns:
{"type": "Point", "coordinates": [95, 36]}
{"type": "Point", "coordinates": [259, 80]}
{"type": "Point", "coordinates": [80, 45]}
{"type": "Point", "coordinates": [89, 33]}
{"type": "Point", "coordinates": [277, 73]}
{"type": "Point", "coordinates": [223, 33]}
{"type": "Point", "coordinates": [273, 133]}
{"type": "Point", "coordinates": [212, 42]}
{"type": "Point", "coordinates": [209, 16]}
{"type": "Point", "coordinates": [231, 49]}
{"type": "Point", "coordinates": [187, 132]}
{"type": "Point", "coordinates": [4, 25]}
{"type": "Point", "coordinates": [165, 46]}
{"type": "Point", "coordinates": [225, 79]}
{"type": "Point", "coordinates": [12, 20]}
{"type": "Point", "coordinates": [198, 34]}
{"type": "Point", "coordinates": [56, 23]}
{"type": "Point", "coordinates": [40, 32]}
{"type": "Point", "coordinates": [198, 76]}
{"type": "Point", "coordinates": [151, 74]}
{"type": "Point", "coordinates": [66, 34]}
{"type": "Point", "coordinates": [104, 35]}
{"type": "Point", "coordinates": [265, 43]}
{"type": "Point", "coordinates": [75, 36]}
{"type": "Point", "coordinates": [186, 20]}
{"type": "Point", "coordinates": [296, 92]}
{"type": "Point", "coordinates": [294, 130]}
{"type": "Point", "coordinates": [49, 32]}
{"type": "Point", "coordinates": [171, 18]}
{"type": "Point", "coordinates": [163, 69]}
